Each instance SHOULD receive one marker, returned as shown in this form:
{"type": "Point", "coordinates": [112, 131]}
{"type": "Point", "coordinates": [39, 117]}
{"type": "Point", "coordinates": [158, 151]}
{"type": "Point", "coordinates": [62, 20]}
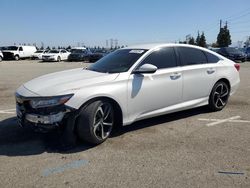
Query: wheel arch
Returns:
{"type": "Point", "coordinates": [226, 81]}
{"type": "Point", "coordinates": [117, 108]}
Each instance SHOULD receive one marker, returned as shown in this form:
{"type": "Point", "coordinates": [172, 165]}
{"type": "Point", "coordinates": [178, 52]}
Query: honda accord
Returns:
{"type": "Point", "coordinates": [127, 85]}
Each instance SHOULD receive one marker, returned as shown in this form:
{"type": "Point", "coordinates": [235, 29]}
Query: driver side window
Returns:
{"type": "Point", "coordinates": [162, 58]}
{"type": "Point", "coordinates": [20, 48]}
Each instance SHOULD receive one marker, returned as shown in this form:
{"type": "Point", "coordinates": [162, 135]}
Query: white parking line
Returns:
{"type": "Point", "coordinates": [234, 119]}
{"type": "Point", "coordinates": [8, 111]}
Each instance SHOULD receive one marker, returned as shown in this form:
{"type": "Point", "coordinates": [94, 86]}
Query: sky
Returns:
{"type": "Point", "coordinates": [92, 22]}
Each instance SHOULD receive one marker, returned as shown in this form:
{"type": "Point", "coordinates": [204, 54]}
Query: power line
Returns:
{"type": "Point", "coordinates": [236, 18]}
{"type": "Point", "coordinates": [237, 14]}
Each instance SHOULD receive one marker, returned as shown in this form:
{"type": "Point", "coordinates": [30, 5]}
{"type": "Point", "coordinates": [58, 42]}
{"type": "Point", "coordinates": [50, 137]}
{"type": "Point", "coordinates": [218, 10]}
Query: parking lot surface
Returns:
{"type": "Point", "coordinates": [193, 148]}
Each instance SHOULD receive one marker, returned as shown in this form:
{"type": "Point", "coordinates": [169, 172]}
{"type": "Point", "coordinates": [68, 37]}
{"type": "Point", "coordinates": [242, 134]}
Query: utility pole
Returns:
{"type": "Point", "coordinates": [220, 23]}
{"type": "Point", "coordinates": [107, 44]}
{"type": "Point", "coordinates": [111, 43]}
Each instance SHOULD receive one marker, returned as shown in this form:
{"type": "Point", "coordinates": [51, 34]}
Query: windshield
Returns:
{"type": "Point", "coordinates": [117, 61]}
{"type": "Point", "coordinates": [14, 48]}
{"type": "Point", "coordinates": [39, 51]}
{"type": "Point", "coordinates": [54, 51]}
{"type": "Point", "coordinates": [78, 51]}
{"type": "Point", "coordinates": [232, 50]}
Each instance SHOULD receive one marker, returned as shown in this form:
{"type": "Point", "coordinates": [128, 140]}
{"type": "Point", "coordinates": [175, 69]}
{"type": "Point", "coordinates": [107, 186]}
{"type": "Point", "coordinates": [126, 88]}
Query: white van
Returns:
{"type": "Point", "coordinates": [18, 52]}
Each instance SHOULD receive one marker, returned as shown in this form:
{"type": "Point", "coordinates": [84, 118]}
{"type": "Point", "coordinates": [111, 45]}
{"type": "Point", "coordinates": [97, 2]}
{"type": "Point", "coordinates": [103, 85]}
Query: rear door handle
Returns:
{"type": "Point", "coordinates": [175, 76]}
{"type": "Point", "coordinates": [210, 70]}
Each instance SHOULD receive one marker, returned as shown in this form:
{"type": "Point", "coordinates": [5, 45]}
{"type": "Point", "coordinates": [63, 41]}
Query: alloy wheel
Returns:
{"type": "Point", "coordinates": [221, 95]}
{"type": "Point", "coordinates": [103, 121]}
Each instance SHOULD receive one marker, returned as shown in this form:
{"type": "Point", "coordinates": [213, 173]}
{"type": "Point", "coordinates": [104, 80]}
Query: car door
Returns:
{"type": "Point", "coordinates": [150, 94]}
{"type": "Point", "coordinates": [198, 74]}
{"type": "Point", "coordinates": [21, 52]}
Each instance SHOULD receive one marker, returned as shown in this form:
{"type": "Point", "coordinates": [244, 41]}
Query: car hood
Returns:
{"type": "Point", "coordinates": [48, 54]}
{"type": "Point", "coordinates": [66, 82]}
{"type": "Point", "coordinates": [236, 53]}
{"type": "Point", "coordinates": [12, 51]}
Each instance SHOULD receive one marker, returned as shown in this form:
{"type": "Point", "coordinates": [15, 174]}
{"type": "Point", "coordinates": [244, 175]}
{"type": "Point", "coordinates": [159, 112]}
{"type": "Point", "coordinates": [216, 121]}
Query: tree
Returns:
{"type": "Point", "coordinates": [68, 48]}
{"type": "Point", "coordinates": [48, 48]}
{"type": "Point", "coordinates": [214, 45]}
{"type": "Point", "coordinates": [202, 41]}
{"type": "Point", "coordinates": [198, 38]}
{"type": "Point", "coordinates": [247, 43]}
{"type": "Point", "coordinates": [182, 42]}
{"type": "Point", "coordinates": [191, 41]}
{"type": "Point", "coordinates": [224, 37]}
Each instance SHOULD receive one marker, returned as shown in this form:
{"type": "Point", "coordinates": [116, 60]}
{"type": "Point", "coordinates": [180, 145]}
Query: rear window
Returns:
{"type": "Point", "coordinates": [191, 56]}
{"type": "Point", "coordinates": [211, 58]}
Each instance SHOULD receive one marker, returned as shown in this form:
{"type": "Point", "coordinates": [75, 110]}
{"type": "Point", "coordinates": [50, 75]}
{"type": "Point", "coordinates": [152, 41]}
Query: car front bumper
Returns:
{"type": "Point", "coordinates": [43, 119]}
{"type": "Point", "coordinates": [49, 58]}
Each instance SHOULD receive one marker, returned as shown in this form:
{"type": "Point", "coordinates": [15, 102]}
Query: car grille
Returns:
{"type": "Point", "coordinates": [8, 55]}
{"type": "Point", "coordinates": [23, 107]}
{"type": "Point", "coordinates": [46, 56]}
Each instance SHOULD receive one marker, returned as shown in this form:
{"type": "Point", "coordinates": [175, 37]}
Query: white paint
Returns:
{"type": "Point", "coordinates": [8, 111]}
{"type": "Point", "coordinates": [234, 119]}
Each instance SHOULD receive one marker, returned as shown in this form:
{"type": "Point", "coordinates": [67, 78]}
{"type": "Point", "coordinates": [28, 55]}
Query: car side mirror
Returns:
{"type": "Point", "coordinates": [145, 69]}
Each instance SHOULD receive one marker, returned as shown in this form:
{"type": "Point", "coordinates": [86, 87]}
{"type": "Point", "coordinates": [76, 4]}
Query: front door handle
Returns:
{"type": "Point", "coordinates": [210, 71]}
{"type": "Point", "coordinates": [175, 76]}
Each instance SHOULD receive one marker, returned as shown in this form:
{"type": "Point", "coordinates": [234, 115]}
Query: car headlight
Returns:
{"type": "Point", "coordinates": [48, 102]}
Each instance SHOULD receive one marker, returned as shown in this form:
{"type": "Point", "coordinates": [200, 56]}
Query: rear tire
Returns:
{"type": "Point", "coordinates": [219, 96]}
{"type": "Point", "coordinates": [95, 122]}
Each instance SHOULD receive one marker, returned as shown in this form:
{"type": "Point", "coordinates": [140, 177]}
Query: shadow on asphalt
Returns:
{"type": "Point", "coordinates": [160, 120]}
{"type": "Point", "coordinates": [17, 141]}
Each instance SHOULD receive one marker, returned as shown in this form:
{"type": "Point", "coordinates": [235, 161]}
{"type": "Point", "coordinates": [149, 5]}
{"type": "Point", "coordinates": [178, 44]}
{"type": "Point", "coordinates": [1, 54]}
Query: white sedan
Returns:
{"type": "Point", "coordinates": [125, 86]}
{"type": "Point", "coordinates": [39, 54]}
{"type": "Point", "coordinates": [56, 55]}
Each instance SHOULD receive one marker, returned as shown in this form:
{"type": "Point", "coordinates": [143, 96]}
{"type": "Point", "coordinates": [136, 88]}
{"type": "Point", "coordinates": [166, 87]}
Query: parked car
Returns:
{"type": "Point", "coordinates": [38, 54]}
{"type": "Point", "coordinates": [1, 56]}
{"type": "Point", "coordinates": [56, 55]}
{"type": "Point", "coordinates": [95, 55]}
{"type": "Point", "coordinates": [79, 55]}
{"type": "Point", "coordinates": [127, 85]}
{"type": "Point", "coordinates": [18, 52]}
{"type": "Point", "coordinates": [247, 50]}
{"type": "Point", "coordinates": [233, 54]}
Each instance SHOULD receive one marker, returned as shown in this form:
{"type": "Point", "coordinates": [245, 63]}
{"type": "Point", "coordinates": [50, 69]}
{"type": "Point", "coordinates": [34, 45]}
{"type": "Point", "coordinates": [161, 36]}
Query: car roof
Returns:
{"type": "Point", "coordinates": [158, 45]}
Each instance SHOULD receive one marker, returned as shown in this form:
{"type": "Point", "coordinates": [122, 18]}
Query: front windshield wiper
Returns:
{"type": "Point", "coordinates": [95, 70]}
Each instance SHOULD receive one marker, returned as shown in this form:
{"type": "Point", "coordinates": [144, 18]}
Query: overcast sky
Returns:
{"type": "Point", "coordinates": [92, 22]}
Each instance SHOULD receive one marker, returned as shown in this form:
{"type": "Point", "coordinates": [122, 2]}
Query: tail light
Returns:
{"type": "Point", "coordinates": [237, 66]}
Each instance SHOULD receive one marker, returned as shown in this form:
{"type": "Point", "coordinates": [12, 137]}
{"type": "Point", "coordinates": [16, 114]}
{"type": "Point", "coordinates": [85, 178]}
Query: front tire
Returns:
{"type": "Point", "coordinates": [219, 96]}
{"type": "Point", "coordinates": [95, 122]}
{"type": "Point", "coordinates": [16, 57]}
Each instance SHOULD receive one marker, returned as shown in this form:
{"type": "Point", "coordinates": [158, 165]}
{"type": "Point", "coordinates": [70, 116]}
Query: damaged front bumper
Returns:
{"type": "Point", "coordinates": [42, 119]}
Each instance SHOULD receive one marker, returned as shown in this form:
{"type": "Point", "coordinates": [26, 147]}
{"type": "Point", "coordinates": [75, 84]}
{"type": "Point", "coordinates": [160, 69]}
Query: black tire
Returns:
{"type": "Point", "coordinates": [219, 96]}
{"type": "Point", "coordinates": [58, 59]}
{"type": "Point", "coordinates": [92, 125]}
{"type": "Point", "coordinates": [16, 57]}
